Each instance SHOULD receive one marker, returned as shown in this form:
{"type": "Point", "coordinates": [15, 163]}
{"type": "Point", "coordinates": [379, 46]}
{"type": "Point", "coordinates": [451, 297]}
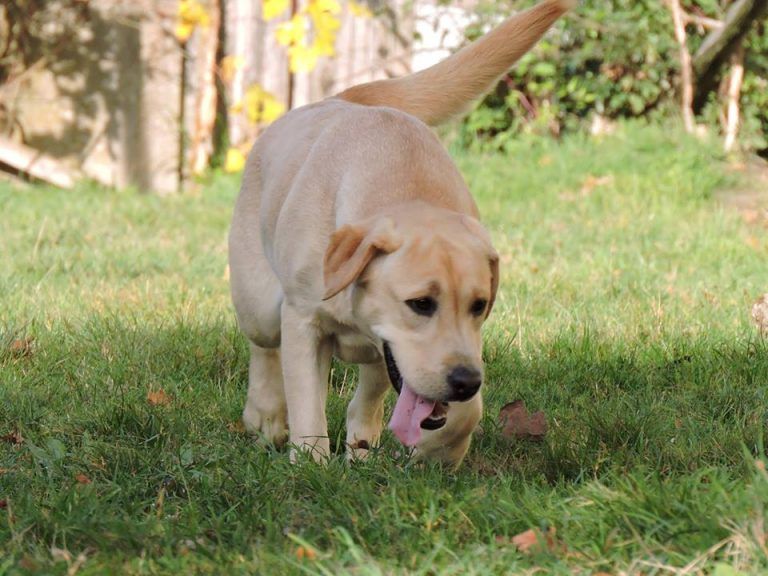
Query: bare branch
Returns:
{"type": "Point", "coordinates": [686, 68]}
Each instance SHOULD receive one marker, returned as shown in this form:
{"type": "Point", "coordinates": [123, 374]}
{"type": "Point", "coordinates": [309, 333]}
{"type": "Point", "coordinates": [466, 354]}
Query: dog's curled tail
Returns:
{"type": "Point", "coordinates": [446, 89]}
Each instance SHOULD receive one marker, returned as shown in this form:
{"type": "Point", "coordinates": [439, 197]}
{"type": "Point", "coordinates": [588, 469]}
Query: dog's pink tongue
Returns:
{"type": "Point", "coordinates": [410, 411]}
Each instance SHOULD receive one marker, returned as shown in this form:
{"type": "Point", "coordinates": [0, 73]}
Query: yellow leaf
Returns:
{"type": "Point", "coordinates": [190, 14]}
{"type": "Point", "coordinates": [235, 160]}
{"type": "Point", "coordinates": [324, 46]}
{"type": "Point", "coordinates": [325, 23]}
{"type": "Point", "coordinates": [229, 65]}
{"type": "Point", "coordinates": [184, 31]}
{"type": "Point", "coordinates": [260, 106]}
{"type": "Point", "coordinates": [254, 96]}
{"type": "Point", "coordinates": [193, 13]}
{"type": "Point", "coordinates": [273, 8]}
{"type": "Point", "coordinates": [360, 10]}
{"type": "Point", "coordinates": [324, 6]}
{"type": "Point", "coordinates": [272, 110]}
{"type": "Point", "coordinates": [158, 397]}
{"type": "Point", "coordinates": [325, 42]}
{"type": "Point", "coordinates": [302, 58]}
{"type": "Point", "coordinates": [326, 29]}
{"type": "Point", "coordinates": [291, 32]}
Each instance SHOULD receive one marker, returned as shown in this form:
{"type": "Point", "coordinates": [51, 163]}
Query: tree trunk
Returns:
{"type": "Point", "coordinates": [734, 91]}
{"type": "Point", "coordinates": [721, 43]}
{"type": "Point", "coordinates": [686, 89]}
{"type": "Point", "coordinates": [201, 146]}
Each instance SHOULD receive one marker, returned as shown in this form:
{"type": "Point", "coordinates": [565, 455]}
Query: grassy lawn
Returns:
{"type": "Point", "coordinates": [623, 315]}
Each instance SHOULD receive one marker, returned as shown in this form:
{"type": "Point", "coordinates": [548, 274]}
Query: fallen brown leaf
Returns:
{"type": "Point", "coordinates": [533, 541]}
{"type": "Point", "coordinates": [516, 422]}
{"type": "Point", "coordinates": [82, 479]}
{"type": "Point", "coordinates": [753, 242]}
{"type": "Point", "coordinates": [750, 216]}
{"type": "Point", "coordinates": [305, 553]}
{"type": "Point", "coordinates": [553, 544]}
{"type": "Point", "coordinates": [591, 182]}
{"type": "Point", "coordinates": [236, 427]}
{"type": "Point", "coordinates": [12, 437]}
{"type": "Point", "coordinates": [760, 314]}
{"type": "Point", "coordinates": [526, 541]}
{"type": "Point", "coordinates": [158, 397]}
{"type": "Point", "coordinates": [22, 347]}
{"type": "Point", "coordinates": [28, 563]}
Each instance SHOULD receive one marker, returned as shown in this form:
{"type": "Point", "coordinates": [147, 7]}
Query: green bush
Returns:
{"type": "Point", "coordinates": [616, 59]}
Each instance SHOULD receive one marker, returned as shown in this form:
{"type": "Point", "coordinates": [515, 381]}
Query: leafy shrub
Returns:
{"type": "Point", "coordinates": [612, 58]}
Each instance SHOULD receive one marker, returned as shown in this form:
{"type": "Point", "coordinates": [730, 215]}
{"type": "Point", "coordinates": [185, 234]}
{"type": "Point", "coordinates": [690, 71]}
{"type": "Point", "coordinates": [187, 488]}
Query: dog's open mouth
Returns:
{"type": "Point", "coordinates": [412, 412]}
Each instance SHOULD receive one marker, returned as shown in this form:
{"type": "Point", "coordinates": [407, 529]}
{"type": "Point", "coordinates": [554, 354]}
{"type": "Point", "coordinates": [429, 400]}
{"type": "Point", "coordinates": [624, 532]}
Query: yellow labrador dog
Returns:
{"type": "Point", "coordinates": [354, 235]}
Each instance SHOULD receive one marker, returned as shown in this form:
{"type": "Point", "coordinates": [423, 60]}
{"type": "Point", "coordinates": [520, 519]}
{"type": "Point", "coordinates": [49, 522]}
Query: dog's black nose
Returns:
{"type": "Point", "coordinates": [464, 383]}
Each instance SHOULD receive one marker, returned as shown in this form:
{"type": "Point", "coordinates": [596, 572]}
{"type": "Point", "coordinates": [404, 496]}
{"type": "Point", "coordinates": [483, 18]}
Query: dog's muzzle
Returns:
{"type": "Point", "coordinates": [438, 417]}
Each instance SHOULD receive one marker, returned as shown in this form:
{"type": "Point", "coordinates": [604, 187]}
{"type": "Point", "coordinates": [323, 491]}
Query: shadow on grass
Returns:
{"type": "Point", "coordinates": [673, 405]}
{"type": "Point", "coordinates": [99, 464]}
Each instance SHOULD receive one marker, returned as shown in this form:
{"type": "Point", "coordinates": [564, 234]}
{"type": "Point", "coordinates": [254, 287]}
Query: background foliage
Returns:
{"type": "Point", "coordinates": [615, 59]}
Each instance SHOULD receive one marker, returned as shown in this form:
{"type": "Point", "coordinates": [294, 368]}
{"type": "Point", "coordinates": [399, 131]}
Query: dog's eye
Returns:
{"type": "Point", "coordinates": [422, 306]}
{"type": "Point", "coordinates": [478, 307]}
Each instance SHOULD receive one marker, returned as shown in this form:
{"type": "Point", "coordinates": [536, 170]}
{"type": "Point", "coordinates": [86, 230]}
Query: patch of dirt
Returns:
{"type": "Point", "coordinates": [751, 196]}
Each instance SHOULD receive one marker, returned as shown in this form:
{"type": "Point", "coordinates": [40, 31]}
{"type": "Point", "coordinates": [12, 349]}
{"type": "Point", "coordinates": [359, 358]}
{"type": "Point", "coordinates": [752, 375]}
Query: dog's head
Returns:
{"type": "Point", "coordinates": [423, 282]}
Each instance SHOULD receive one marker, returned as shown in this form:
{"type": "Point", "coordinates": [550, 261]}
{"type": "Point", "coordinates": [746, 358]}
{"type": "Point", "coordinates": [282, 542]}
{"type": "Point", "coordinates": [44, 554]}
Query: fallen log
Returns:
{"type": "Point", "coordinates": [35, 164]}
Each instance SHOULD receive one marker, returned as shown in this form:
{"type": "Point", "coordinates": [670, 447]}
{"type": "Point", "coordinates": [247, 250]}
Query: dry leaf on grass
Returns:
{"type": "Point", "coordinates": [12, 437]}
{"type": "Point", "coordinates": [82, 479]}
{"type": "Point", "coordinates": [526, 541]}
{"type": "Point", "coordinates": [760, 314]}
{"type": "Point", "coordinates": [532, 541]}
{"type": "Point", "coordinates": [750, 216]}
{"type": "Point", "coordinates": [591, 182]}
{"type": "Point", "coordinates": [60, 554]}
{"type": "Point", "coordinates": [22, 347]}
{"type": "Point", "coordinates": [305, 553]}
{"type": "Point", "coordinates": [158, 397]}
{"type": "Point", "coordinates": [517, 422]}
{"type": "Point", "coordinates": [753, 242]}
{"type": "Point", "coordinates": [236, 427]}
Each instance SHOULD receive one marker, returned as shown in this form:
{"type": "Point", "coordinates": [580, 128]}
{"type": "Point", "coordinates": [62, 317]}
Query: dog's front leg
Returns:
{"type": "Point", "coordinates": [306, 360]}
{"type": "Point", "coordinates": [366, 410]}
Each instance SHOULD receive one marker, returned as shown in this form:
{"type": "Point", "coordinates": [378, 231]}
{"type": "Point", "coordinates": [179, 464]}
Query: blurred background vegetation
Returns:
{"type": "Point", "coordinates": [613, 60]}
{"type": "Point", "coordinates": [148, 94]}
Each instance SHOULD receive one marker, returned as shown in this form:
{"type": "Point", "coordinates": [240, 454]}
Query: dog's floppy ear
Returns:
{"type": "Point", "coordinates": [482, 234]}
{"type": "Point", "coordinates": [493, 259]}
{"type": "Point", "coordinates": [350, 250]}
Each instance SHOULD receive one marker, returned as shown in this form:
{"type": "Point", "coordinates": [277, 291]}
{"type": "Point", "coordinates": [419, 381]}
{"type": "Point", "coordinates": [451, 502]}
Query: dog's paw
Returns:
{"type": "Point", "coordinates": [358, 450]}
{"type": "Point", "coordinates": [272, 428]}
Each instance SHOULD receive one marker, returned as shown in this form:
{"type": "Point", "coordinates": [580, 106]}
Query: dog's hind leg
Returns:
{"type": "Point", "coordinates": [265, 408]}
{"type": "Point", "coordinates": [259, 318]}
{"type": "Point", "coordinates": [306, 357]}
{"type": "Point", "coordinates": [365, 413]}
{"type": "Point", "coordinates": [258, 296]}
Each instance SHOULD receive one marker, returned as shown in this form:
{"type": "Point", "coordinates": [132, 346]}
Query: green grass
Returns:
{"type": "Point", "coordinates": [623, 314]}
